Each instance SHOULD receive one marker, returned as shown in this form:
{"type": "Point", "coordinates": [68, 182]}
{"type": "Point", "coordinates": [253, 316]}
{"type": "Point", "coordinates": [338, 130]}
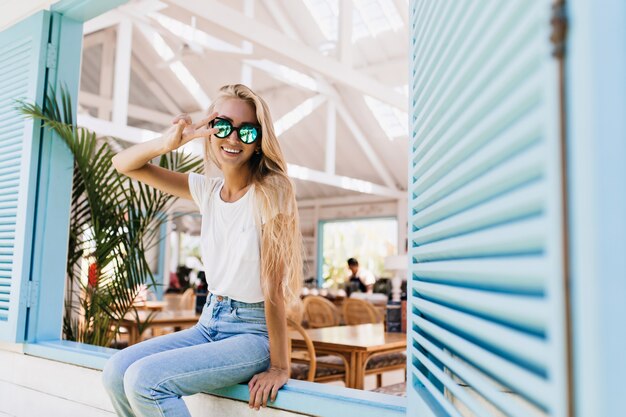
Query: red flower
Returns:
{"type": "Point", "coordinates": [93, 275]}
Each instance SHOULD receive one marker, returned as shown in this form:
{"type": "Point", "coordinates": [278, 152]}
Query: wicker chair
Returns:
{"type": "Point", "coordinates": [304, 363]}
{"type": "Point", "coordinates": [319, 312]}
{"type": "Point", "coordinates": [188, 300]}
{"type": "Point", "coordinates": [357, 311]}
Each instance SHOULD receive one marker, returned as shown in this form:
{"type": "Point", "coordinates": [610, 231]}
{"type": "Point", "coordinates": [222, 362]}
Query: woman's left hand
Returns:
{"type": "Point", "coordinates": [266, 383]}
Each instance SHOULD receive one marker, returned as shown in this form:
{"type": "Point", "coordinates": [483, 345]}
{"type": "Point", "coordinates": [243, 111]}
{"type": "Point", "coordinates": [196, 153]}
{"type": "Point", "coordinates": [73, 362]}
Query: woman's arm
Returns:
{"type": "Point", "coordinates": [133, 162]}
{"type": "Point", "coordinates": [266, 384]}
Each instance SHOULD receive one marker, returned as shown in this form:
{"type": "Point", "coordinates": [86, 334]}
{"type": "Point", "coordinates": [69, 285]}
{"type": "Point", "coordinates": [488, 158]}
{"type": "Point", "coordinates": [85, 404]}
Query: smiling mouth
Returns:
{"type": "Point", "coordinates": [231, 151]}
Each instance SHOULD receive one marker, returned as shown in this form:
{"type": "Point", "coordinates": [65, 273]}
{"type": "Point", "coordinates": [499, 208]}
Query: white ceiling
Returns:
{"type": "Point", "coordinates": [370, 66]}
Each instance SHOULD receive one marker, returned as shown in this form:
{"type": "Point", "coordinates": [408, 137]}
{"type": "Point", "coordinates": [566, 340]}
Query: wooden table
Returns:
{"type": "Point", "coordinates": [356, 344]}
{"type": "Point", "coordinates": [179, 318]}
{"type": "Point", "coordinates": [150, 305]}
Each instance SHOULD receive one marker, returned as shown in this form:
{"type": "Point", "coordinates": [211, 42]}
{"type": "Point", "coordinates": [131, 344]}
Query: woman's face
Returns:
{"type": "Point", "coordinates": [231, 151]}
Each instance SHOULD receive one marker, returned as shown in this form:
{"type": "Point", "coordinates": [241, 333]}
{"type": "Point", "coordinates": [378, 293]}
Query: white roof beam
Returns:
{"type": "Point", "coordinates": [106, 72]}
{"type": "Point", "coordinates": [283, 21]}
{"type": "Point", "coordinates": [114, 17]}
{"type": "Point", "coordinates": [106, 128]}
{"type": "Point", "coordinates": [156, 88]}
{"type": "Point", "coordinates": [359, 136]}
{"type": "Point", "coordinates": [274, 70]}
{"type": "Point", "coordinates": [246, 46]}
{"type": "Point", "coordinates": [122, 72]}
{"type": "Point", "coordinates": [345, 32]}
{"type": "Point", "coordinates": [365, 146]}
{"type": "Point", "coordinates": [103, 21]}
{"type": "Point", "coordinates": [347, 183]}
{"type": "Point", "coordinates": [134, 111]}
{"type": "Point", "coordinates": [331, 137]}
{"type": "Point", "coordinates": [267, 37]}
{"type": "Point", "coordinates": [178, 31]}
{"type": "Point", "coordinates": [403, 11]}
{"type": "Point", "coordinates": [177, 67]}
{"type": "Point", "coordinates": [297, 114]}
{"type": "Point", "coordinates": [344, 200]}
{"type": "Point", "coordinates": [392, 66]}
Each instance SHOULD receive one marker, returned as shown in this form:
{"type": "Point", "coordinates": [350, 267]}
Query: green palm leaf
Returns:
{"type": "Point", "coordinates": [114, 220]}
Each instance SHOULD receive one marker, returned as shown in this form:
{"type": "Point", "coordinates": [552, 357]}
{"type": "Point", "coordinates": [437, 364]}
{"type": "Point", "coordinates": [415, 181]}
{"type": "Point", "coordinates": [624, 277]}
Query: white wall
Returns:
{"type": "Point", "coordinates": [12, 11]}
{"type": "Point", "coordinates": [34, 387]}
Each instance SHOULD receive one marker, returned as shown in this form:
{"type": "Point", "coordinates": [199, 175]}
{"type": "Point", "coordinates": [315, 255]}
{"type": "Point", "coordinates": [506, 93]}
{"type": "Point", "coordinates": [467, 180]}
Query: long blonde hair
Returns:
{"type": "Point", "coordinates": [281, 241]}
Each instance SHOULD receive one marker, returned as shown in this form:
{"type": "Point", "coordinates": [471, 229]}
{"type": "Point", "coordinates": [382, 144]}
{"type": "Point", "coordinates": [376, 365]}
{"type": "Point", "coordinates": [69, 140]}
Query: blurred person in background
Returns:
{"type": "Point", "coordinates": [361, 279]}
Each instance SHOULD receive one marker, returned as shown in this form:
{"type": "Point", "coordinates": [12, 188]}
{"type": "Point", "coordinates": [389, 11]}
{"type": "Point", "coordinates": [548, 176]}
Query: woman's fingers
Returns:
{"type": "Point", "coordinates": [184, 117]}
{"type": "Point", "coordinates": [266, 394]}
{"type": "Point", "coordinates": [275, 389]}
{"type": "Point", "coordinates": [205, 121]}
{"type": "Point", "coordinates": [202, 133]}
{"type": "Point", "coordinates": [180, 127]}
{"type": "Point", "coordinates": [253, 390]}
{"type": "Point", "coordinates": [258, 398]}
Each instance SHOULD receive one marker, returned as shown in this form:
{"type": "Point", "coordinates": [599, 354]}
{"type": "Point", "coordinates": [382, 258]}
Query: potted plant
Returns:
{"type": "Point", "coordinates": [114, 221]}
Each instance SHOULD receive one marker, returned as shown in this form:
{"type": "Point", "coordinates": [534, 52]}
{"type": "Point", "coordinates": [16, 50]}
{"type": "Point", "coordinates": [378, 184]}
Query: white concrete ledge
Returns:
{"type": "Point", "coordinates": [60, 378]}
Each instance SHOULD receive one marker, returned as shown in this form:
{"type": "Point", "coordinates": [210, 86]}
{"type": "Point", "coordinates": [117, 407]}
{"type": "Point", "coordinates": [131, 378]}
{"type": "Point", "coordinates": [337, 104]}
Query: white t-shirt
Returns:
{"type": "Point", "coordinates": [230, 240]}
{"type": "Point", "coordinates": [366, 276]}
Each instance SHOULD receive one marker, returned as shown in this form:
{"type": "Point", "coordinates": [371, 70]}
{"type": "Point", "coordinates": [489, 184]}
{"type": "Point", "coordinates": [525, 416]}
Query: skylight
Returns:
{"type": "Point", "coordinates": [394, 122]}
{"type": "Point", "coordinates": [296, 115]}
{"type": "Point", "coordinates": [178, 68]}
{"type": "Point", "coordinates": [369, 17]}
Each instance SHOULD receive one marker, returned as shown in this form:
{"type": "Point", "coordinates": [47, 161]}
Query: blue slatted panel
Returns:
{"type": "Point", "coordinates": [22, 72]}
{"type": "Point", "coordinates": [486, 325]}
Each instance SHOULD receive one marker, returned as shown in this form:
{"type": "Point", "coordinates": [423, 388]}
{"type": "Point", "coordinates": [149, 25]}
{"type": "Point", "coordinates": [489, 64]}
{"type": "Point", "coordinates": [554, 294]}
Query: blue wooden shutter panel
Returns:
{"type": "Point", "coordinates": [486, 315]}
{"type": "Point", "coordinates": [22, 74]}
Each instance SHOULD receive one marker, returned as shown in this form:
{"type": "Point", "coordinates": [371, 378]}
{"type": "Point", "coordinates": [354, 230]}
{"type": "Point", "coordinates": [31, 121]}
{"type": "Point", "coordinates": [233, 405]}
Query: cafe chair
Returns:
{"type": "Point", "coordinates": [357, 311]}
{"type": "Point", "coordinates": [304, 364]}
{"type": "Point", "coordinates": [319, 312]}
{"type": "Point", "coordinates": [385, 362]}
{"type": "Point", "coordinates": [188, 300]}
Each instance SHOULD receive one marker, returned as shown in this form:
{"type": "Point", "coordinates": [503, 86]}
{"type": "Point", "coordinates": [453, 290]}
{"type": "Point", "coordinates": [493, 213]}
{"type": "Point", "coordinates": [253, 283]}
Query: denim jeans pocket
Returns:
{"type": "Point", "coordinates": [249, 315]}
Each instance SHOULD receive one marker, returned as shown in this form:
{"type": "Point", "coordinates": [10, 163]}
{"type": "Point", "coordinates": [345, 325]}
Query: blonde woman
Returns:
{"type": "Point", "coordinates": [251, 250]}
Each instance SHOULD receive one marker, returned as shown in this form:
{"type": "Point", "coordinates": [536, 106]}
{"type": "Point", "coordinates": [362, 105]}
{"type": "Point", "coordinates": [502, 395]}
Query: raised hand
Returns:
{"type": "Point", "coordinates": [183, 130]}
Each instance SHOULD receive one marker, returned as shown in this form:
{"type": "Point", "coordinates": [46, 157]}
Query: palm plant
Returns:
{"type": "Point", "coordinates": [114, 221]}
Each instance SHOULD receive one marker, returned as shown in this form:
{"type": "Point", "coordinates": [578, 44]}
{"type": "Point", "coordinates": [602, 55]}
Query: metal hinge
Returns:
{"type": "Point", "coordinates": [559, 29]}
{"type": "Point", "coordinates": [32, 293]}
{"type": "Point", "coordinates": [51, 57]}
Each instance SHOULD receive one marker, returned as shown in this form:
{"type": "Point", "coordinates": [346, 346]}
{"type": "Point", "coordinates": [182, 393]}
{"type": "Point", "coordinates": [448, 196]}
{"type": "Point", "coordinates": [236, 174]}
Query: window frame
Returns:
{"type": "Point", "coordinates": [320, 241]}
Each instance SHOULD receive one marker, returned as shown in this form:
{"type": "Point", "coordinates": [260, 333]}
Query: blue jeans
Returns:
{"type": "Point", "coordinates": [228, 345]}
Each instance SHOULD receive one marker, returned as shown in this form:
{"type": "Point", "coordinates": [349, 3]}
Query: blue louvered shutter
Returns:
{"type": "Point", "coordinates": [23, 48]}
{"type": "Point", "coordinates": [486, 300]}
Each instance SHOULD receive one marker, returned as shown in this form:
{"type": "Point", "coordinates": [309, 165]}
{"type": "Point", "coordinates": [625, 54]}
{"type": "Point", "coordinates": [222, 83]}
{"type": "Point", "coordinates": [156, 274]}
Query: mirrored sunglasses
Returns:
{"type": "Point", "coordinates": [248, 133]}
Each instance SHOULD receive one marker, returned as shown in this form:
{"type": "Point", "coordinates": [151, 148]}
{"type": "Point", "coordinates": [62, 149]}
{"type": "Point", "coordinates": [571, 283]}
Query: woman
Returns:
{"type": "Point", "coordinates": [252, 254]}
